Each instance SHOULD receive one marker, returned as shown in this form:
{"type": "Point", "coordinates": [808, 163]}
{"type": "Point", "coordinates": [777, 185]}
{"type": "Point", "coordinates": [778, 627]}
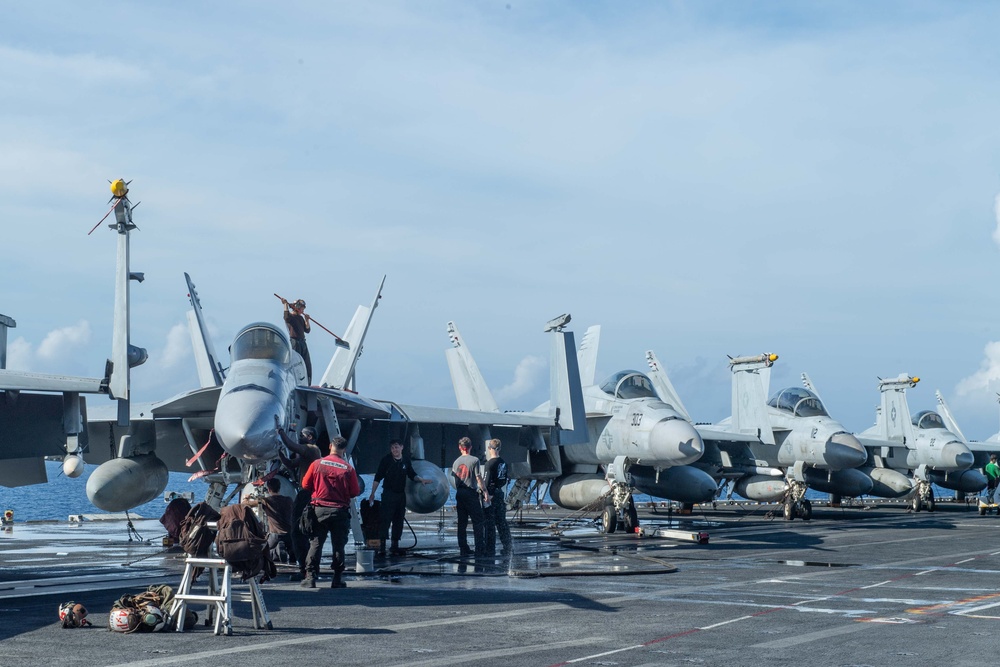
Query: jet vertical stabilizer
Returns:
{"type": "Point", "coordinates": [664, 387]}
{"type": "Point", "coordinates": [893, 419]}
{"type": "Point", "coordinates": [565, 386]}
{"type": "Point", "coordinates": [587, 355]}
{"type": "Point", "coordinates": [948, 418]}
{"type": "Point", "coordinates": [340, 372]}
{"type": "Point", "coordinates": [210, 373]}
{"type": "Point", "coordinates": [471, 391]}
{"type": "Point", "coordinates": [751, 376]}
{"type": "Point", "coordinates": [124, 355]}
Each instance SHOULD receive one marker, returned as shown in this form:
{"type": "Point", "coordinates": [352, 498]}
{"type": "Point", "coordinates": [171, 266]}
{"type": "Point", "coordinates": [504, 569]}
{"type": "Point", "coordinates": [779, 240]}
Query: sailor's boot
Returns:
{"type": "Point", "coordinates": [381, 549]}
{"type": "Point", "coordinates": [395, 551]}
{"type": "Point", "coordinates": [337, 581]}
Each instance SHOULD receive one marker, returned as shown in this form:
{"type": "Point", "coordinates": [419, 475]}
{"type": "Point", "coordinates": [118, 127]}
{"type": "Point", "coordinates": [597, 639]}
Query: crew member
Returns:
{"type": "Point", "coordinates": [297, 321]}
{"type": "Point", "coordinates": [302, 454]}
{"type": "Point", "coordinates": [992, 471]}
{"type": "Point", "coordinates": [495, 474]}
{"type": "Point", "coordinates": [394, 469]}
{"type": "Point", "coordinates": [278, 510]}
{"type": "Point", "coordinates": [333, 482]}
{"type": "Point", "coordinates": [469, 479]}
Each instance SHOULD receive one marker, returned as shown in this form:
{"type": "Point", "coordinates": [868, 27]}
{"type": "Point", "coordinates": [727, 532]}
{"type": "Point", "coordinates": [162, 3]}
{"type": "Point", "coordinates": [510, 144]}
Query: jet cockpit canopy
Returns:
{"type": "Point", "coordinates": [261, 341]}
{"type": "Point", "coordinates": [799, 401]}
{"type": "Point", "coordinates": [926, 419]}
{"type": "Point", "coordinates": [629, 384]}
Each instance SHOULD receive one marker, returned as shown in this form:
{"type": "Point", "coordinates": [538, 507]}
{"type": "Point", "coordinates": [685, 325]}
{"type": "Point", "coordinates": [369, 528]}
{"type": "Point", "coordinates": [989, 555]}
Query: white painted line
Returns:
{"type": "Point", "coordinates": [964, 561]}
{"type": "Point", "coordinates": [732, 620]}
{"type": "Point", "coordinates": [499, 653]}
{"type": "Point", "coordinates": [881, 583]}
{"type": "Point", "coordinates": [979, 608]}
{"type": "Point", "coordinates": [811, 637]}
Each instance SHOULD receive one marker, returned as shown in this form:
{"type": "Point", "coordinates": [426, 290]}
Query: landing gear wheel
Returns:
{"type": "Point", "coordinates": [789, 511]}
{"type": "Point", "coordinates": [982, 511]}
{"type": "Point", "coordinates": [805, 510]}
{"type": "Point", "coordinates": [631, 521]}
{"type": "Point", "coordinates": [609, 520]}
{"type": "Point", "coordinates": [929, 502]}
{"type": "Point", "coordinates": [916, 504]}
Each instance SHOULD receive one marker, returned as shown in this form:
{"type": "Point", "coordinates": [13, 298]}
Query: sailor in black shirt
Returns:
{"type": "Point", "coordinates": [496, 513]}
{"type": "Point", "coordinates": [394, 470]}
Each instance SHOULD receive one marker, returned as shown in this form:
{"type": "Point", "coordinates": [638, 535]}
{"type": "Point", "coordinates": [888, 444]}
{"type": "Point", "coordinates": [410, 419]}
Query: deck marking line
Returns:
{"type": "Point", "coordinates": [811, 636]}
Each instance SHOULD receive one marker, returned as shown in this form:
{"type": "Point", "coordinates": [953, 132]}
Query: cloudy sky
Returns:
{"type": "Point", "coordinates": [815, 180]}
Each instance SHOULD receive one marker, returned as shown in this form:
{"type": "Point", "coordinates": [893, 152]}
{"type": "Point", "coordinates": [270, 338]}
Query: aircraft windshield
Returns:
{"type": "Point", "coordinates": [261, 343]}
{"type": "Point", "coordinates": [629, 384]}
{"type": "Point", "coordinates": [799, 401]}
{"type": "Point", "coordinates": [928, 419]}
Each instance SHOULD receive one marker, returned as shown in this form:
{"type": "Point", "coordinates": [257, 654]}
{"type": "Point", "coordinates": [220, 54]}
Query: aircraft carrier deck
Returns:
{"type": "Point", "coordinates": [878, 586]}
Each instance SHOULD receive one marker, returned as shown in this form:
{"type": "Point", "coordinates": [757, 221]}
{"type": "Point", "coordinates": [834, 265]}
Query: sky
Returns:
{"type": "Point", "coordinates": [817, 180]}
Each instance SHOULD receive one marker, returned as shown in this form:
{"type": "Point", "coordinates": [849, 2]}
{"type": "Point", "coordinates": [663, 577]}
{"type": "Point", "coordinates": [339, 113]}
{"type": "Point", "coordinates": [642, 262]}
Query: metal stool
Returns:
{"type": "Point", "coordinates": [218, 599]}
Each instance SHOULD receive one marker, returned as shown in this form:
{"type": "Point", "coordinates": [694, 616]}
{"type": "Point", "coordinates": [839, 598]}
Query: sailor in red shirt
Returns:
{"type": "Point", "coordinates": [333, 483]}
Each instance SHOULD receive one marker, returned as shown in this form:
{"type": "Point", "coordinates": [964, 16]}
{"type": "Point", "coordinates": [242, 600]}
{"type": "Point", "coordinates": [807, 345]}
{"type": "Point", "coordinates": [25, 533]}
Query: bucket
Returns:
{"type": "Point", "coordinates": [366, 560]}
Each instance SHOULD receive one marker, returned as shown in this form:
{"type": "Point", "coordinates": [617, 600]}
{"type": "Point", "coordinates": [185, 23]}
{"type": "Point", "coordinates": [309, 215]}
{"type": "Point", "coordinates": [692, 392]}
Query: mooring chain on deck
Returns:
{"type": "Point", "coordinates": [578, 514]}
{"type": "Point", "coordinates": [152, 555]}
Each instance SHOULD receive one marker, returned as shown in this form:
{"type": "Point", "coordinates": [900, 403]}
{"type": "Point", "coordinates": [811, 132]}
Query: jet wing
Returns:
{"type": "Point", "coordinates": [24, 381]}
{"type": "Point", "coordinates": [348, 404]}
{"type": "Point", "coordinates": [869, 441]}
{"type": "Point", "coordinates": [423, 414]}
{"type": "Point", "coordinates": [197, 403]}
{"type": "Point", "coordinates": [716, 434]}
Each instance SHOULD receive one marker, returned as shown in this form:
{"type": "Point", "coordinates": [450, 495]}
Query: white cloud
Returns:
{"type": "Point", "coordinates": [985, 379]}
{"type": "Point", "coordinates": [19, 355]}
{"type": "Point", "coordinates": [177, 348]}
{"type": "Point", "coordinates": [527, 376]}
{"type": "Point", "coordinates": [60, 343]}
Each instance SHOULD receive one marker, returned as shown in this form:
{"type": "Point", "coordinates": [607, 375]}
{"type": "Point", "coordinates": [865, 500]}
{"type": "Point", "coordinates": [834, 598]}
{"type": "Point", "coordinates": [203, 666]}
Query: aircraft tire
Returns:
{"type": "Point", "coordinates": [929, 503]}
{"type": "Point", "coordinates": [631, 521]}
{"type": "Point", "coordinates": [609, 520]}
{"type": "Point", "coordinates": [789, 510]}
{"type": "Point", "coordinates": [806, 510]}
{"type": "Point", "coordinates": [982, 511]}
{"type": "Point", "coordinates": [916, 504]}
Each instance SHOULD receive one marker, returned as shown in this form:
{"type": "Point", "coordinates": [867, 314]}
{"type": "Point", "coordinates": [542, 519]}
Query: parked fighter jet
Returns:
{"type": "Point", "coordinates": [641, 442]}
{"type": "Point", "coordinates": [45, 415]}
{"type": "Point", "coordinates": [230, 424]}
{"type": "Point", "coordinates": [981, 449]}
{"type": "Point", "coordinates": [795, 444]}
{"type": "Point", "coordinates": [934, 454]}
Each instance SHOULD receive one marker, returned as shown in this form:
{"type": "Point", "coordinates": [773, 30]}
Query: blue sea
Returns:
{"type": "Point", "coordinates": [62, 496]}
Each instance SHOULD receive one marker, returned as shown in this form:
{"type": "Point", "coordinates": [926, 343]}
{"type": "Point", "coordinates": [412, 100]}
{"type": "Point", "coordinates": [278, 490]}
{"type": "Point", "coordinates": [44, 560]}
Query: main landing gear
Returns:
{"type": "Point", "coordinates": [923, 497]}
{"type": "Point", "coordinates": [626, 518]}
{"type": "Point", "coordinates": [796, 504]}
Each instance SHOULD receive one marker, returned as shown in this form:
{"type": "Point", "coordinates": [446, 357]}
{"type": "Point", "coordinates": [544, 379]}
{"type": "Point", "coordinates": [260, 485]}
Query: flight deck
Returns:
{"type": "Point", "coordinates": [859, 585]}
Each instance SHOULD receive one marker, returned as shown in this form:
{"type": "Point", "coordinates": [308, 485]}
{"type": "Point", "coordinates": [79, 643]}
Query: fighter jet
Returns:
{"type": "Point", "coordinates": [45, 415]}
{"type": "Point", "coordinates": [635, 440]}
{"type": "Point", "coordinates": [794, 444]}
{"type": "Point", "coordinates": [981, 449]}
{"type": "Point", "coordinates": [228, 427]}
{"type": "Point", "coordinates": [924, 446]}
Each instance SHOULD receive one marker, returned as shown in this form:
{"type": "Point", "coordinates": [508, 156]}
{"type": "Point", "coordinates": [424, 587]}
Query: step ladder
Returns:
{"type": "Point", "coordinates": [219, 597]}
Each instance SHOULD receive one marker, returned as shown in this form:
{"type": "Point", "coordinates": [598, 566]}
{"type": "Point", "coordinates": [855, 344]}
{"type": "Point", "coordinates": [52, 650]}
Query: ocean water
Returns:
{"type": "Point", "coordinates": [62, 496]}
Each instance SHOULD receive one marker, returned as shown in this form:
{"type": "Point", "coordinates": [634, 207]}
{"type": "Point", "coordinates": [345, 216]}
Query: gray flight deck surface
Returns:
{"type": "Point", "coordinates": [881, 586]}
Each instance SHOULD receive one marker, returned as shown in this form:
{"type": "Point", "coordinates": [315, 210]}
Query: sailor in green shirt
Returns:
{"type": "Point", "coordinates": [992, 477]}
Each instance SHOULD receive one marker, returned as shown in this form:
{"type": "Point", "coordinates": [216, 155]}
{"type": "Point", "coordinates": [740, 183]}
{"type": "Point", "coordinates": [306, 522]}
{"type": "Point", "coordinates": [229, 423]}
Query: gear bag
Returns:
{"type": "Point", "coordinates": [195, 536]}
{"type": "Point", "coordinates": [242, 542]}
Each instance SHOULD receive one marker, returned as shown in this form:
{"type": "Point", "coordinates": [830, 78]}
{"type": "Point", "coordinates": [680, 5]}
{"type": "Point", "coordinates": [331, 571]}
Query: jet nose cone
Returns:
{"type": "Point", "coordinates": [247, 434]}
{"type": "Point", "coordinates": [844, 451]}
{"type": "Point", "coordinates": [956, 455]}
{"type": "Point", "coordinates": [676, 442]}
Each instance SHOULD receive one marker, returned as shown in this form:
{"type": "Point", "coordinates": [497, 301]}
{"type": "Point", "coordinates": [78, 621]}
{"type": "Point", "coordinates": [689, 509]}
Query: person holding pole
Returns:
{"type": "Point", "coordinates": [297, 321]}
